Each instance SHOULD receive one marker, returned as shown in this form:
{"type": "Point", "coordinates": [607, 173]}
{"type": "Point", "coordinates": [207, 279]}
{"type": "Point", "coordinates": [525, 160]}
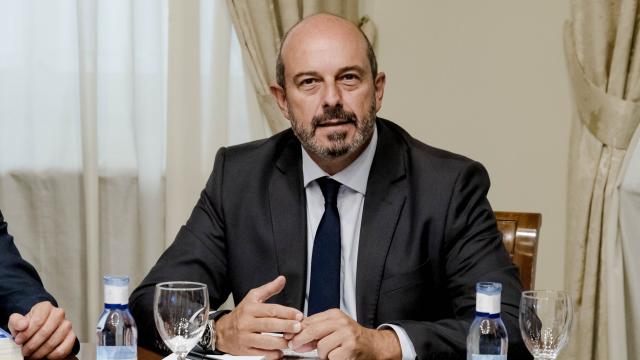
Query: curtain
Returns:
{"type": "Point", "coordinates": [628, 237]}
{"type": "Point", "coordinates": [210, 101]}
{"type": "Point", "coordinates": [110, 116]}
{"type": "Point", "coordinates": [261, 26]}
{"type": "Point", "coordinates": [602, 52]}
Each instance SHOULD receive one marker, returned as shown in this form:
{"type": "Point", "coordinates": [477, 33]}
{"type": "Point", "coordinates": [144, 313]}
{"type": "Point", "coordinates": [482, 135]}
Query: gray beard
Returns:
{"type": "Point", "coordinates": [338, 144]}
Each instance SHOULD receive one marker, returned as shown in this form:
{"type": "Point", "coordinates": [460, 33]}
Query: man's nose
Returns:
{"type": "Point", "coordinates": [332, 95]}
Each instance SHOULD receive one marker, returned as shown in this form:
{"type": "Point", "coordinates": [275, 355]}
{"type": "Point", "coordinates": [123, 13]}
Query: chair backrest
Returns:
{"type": "Point", "coordinates": [520, 233]}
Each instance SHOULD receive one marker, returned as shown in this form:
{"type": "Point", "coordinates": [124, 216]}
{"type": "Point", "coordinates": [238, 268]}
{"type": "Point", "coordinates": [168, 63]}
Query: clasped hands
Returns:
{"type": "Point", "coordinates": [44, 332]}
{"type": "Point", "coordinates": [333, 333]}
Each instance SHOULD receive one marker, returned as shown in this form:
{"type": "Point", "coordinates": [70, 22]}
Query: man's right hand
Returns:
{"type": "Point", "coordinates": [240, 331]}
{"type": "Point", "coordinates": [43, 332]}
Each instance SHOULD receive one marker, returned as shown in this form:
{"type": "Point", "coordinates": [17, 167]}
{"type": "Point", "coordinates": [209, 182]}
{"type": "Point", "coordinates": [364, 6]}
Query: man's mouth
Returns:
{"type": "Point", "coordinates": [334, 122]}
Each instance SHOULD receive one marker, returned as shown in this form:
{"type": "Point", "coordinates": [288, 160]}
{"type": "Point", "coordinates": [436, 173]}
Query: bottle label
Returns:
{"type": "Point", "coordinates": [117, 295]}
{"type": "Point", "coordinates": [116, 353]}
{"type": "Point", "coordinates": [488, 304]}
{"type": "Point", "coordinates": [488, 357]}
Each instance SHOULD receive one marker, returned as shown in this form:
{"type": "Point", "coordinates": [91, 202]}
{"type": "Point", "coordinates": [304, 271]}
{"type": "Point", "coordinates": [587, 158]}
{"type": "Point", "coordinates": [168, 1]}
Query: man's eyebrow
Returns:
{"type": "Point", "coordinates": [305, 73]}
{"type": "Point", "coordinates": [356, 68]}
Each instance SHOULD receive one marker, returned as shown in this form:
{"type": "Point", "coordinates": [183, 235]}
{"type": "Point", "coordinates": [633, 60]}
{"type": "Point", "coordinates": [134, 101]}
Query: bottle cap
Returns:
{"type": "Point", "coordinates": [116, 290]}
{"type": "Point", "coordinates": [488, 297]}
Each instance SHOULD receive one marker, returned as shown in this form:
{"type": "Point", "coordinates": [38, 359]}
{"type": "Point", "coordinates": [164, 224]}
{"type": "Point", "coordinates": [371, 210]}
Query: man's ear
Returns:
{"type": "Point", "coordinates": [379, 83]}
{"type": "Point", "coordinates": [281, 98]}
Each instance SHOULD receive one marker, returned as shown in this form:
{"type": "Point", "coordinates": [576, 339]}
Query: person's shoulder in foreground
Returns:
{"type": "Point", "coordinates": [27, 310]}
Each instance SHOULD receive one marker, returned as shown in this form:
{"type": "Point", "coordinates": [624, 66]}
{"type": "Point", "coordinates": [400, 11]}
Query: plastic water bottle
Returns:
{"type": "Point", "coordinates": [116, 331]}
{"type": "Point", "coordinates": [487, 338]}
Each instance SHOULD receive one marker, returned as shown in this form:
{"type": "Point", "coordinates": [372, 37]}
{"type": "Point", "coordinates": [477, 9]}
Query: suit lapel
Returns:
{"type": "Point", "coordinates": [382, 207]}
{"type": "Point", "coordinates": [289, 218]}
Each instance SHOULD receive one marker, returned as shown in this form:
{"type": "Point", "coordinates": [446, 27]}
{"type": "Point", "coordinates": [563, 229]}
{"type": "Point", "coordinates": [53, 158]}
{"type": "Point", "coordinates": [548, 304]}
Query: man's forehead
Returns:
{"type": "Point", "coordinates": [322, 28]}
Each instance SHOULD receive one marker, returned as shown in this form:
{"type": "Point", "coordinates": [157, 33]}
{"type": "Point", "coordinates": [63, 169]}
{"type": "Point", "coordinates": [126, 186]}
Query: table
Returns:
{"type": "Point", "coordinates": [88, 352]}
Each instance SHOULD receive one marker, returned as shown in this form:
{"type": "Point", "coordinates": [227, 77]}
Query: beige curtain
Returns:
{"type": "Point", "coordinates": [262, 24]}
{"type": "Point", "coordinates": [628, 235]}
{"type": "Point", "coordinates": [602, 52]}
{"type": "Point", "coordinates": [207, 102]}
{"type": "Point", "coordinates": [110, 117]}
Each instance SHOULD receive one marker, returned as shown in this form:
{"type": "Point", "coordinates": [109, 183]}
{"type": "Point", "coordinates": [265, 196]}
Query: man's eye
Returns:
{"type": "Point", "coordinates": [350, 78]}
{"type": "Point", "coordinates": [308, 81]}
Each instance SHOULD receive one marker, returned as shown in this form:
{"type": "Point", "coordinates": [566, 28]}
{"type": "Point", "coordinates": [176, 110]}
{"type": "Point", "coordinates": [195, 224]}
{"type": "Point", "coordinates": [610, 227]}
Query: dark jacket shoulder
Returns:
{"type": "Point", "coordinates": [419, 148]}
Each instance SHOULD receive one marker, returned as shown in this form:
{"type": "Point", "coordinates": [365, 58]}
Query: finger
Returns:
{"type": "Point", "coordinates": [336, 318]}
{"type": "Point", "coordinates": [17, 323]}
{"type": "Point", "coordinates": [270, 325]}
{"type": "Point", "coordinates": [328, 315]}
{"type": "Point", "coordinates": [37, 317]}
{"type": "Point", "coordinates": [275, 311]}
{"type": "Point", "coordinates": [338, 353]}
{"type": "Point", "coordinates": [266, 342]}
{"type": "Point", "coordinates": [33, 326]}
{"type": "Point", "coordinates": [58, 336]}
{"type": "Point", "coordinates": [329, 343]}
{"type": "Point", "coordinates": [306, 347]}
{"type": "Point", "coordinates": [63, 349]}
{"type": "Point", "coordinates": [53, 321]}
{"type": "Point", "coordinates": [313, 332]}
{"type": "Point", "coordinates": [264, 292]}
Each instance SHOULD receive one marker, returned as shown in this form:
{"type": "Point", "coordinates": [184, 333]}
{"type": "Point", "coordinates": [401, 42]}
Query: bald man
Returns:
{"type": "Point", "coordinates": [343, 234]}
{"type": "Point", "coordinates": [27, 310]}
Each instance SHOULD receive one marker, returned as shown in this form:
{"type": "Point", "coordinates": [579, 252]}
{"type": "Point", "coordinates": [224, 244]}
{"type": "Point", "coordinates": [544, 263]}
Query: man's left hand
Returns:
{"type": "Point", "coordinates": [336, 336]}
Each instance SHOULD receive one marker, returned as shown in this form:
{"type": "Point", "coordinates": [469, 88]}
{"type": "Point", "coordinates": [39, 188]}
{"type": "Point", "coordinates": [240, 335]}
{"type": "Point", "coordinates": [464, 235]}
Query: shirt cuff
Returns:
{"type": "Point", "coordinates": [406, 346]}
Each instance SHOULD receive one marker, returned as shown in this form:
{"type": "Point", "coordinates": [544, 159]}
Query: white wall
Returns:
{"type": "Point", "coordinates": [487, 79]}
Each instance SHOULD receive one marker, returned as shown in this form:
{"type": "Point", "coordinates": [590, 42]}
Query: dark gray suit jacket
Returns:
{"type": "Point", "coordinates": [428, 235]}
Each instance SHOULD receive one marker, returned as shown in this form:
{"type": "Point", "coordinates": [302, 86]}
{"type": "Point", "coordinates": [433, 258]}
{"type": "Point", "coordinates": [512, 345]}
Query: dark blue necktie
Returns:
{"type": "Point", "coordinates": [324, 288]}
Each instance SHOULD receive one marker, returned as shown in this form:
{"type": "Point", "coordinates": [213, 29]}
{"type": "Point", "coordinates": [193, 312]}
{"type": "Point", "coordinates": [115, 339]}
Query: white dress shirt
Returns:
{"type": "Point", "coordinates": [350, 206]}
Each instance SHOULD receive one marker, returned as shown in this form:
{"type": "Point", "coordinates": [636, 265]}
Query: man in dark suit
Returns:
{"type": "Point", "coordinates": [27, 310]}
{"type": "Point", "coordinates": [405, 230]}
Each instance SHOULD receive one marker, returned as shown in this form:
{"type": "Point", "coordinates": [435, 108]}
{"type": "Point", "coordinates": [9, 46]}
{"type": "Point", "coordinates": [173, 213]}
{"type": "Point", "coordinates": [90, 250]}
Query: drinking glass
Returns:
{"type": "Point", "coordinates": [545, 321]}
{"type": "Point", "coordinates": [181, 311]}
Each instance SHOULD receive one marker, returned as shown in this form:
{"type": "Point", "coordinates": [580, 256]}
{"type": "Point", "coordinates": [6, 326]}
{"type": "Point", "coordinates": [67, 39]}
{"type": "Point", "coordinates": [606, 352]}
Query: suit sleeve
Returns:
{"type": "Point", "coordinates": [472, 252]}
{"type": "Point", "coordinates": [20, 287]}
{"type": "Point", "coordinates": [196, 254]}
{"type": "Point", "coordinates": [20, 284]}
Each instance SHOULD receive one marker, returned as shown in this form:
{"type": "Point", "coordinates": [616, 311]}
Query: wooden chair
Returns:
{"type": "Point", "coordinates": [520, 233]}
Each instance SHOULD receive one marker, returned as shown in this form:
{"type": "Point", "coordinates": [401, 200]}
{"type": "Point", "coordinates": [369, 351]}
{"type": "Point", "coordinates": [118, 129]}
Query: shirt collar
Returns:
{"type": "Point", "coordinates": [355, 176]}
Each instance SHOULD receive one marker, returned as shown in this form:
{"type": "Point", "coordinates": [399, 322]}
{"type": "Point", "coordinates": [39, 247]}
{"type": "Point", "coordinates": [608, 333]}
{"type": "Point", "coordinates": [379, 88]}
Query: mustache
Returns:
{"type": "Point", "coordinates": [334, 112]}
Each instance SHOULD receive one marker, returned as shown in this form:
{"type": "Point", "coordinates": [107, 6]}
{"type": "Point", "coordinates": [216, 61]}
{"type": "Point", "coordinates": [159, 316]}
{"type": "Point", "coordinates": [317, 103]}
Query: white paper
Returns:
{"type": "Point", "coordinates": [220, 357]}
{"type": "Point", "coordinates": [307, 355]}
{"type": "Point", "coordinates": [9, 350]}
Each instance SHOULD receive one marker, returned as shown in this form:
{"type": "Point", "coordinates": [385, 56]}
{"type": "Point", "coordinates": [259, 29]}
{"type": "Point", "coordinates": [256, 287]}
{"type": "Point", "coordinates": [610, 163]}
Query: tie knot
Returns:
{"type": "Point", "coordinates": [329, 188]}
